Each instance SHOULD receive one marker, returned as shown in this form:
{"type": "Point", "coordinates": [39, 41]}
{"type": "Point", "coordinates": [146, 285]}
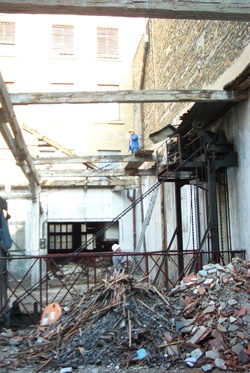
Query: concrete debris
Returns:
{"type": "Point", "coordinates": [203, 323]}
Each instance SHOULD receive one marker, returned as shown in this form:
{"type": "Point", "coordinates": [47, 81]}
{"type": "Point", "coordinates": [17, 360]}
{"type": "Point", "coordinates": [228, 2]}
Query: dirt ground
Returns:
{"type": "Point", "coordinates": [5, 352]}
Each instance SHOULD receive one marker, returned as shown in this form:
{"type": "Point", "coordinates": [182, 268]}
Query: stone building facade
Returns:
{"type": "Point", "coordinates": [185, 54]}
{"type": "Point", "coordinates": [189, 55]}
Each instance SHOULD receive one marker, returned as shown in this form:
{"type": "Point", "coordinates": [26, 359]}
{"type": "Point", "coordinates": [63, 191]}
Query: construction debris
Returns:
{"type": "Point", "coordinates": [121, 322]}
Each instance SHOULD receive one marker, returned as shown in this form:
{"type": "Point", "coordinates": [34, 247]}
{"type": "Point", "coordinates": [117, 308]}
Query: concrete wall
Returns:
{"type": "Point", "coordinates": [91, 205]}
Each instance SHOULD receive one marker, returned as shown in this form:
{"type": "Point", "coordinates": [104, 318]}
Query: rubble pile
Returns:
{"type": "Point", "coordinates": [213, 316]}
{"type": "Point", "coordinates": [201, 323]}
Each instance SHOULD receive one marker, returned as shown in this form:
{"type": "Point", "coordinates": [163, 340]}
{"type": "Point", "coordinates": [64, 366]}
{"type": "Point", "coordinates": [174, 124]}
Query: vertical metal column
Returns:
{"type": "Point", "coordinates": [179, 227]}
{"type": "Point", "coordinates": [213, 211]}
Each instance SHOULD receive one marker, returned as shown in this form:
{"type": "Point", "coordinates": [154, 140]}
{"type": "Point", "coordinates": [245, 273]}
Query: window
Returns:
{"type": "Point", "coordinates": [60, 237]}
{"type": "Point", "coordinates": [107, 43]}
{"type": "Point", "coordinates": [108, 112]}
{"type": "Point", "coordinates": [7, 33]}
{"type": "Point", "coordinates": [69, 237]}
{"type": "Point", "coordinates": [63, 39]}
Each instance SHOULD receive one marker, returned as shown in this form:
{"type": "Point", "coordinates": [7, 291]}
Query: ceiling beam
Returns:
{"type": "Point", "coordinates": [235, 10]}
{"type": "Point", "coordinates": [66, 174]}
{"type": "Point", "coordinates": [127, 96]}
{"type": "Point", "coordinates": [117, 185]}
{"type": "Point", "coordinates": [96, 159]}
{"type": "Point", "coordinates": [13, 137]}
{"type": "Point", "coordinates": [51, 142]}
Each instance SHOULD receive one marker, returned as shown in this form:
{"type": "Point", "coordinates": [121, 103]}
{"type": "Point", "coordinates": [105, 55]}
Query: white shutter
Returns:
{"type": "Point", "coordinates": [7, 33]}
{"type": "Point", "coordinates": [63, 39]}
{"type": "Point", "coordinates": [107, 43]}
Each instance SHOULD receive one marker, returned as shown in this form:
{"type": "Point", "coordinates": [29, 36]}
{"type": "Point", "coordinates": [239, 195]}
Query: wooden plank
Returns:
{"type": "Point", "coordinates": [7, 135]}
{"type": "Point", "coordinates": [50, 173]}
{"type": "Point", "coordinates": [51, 142]}
{"type": "Point", "coordinates": [143, 157]}
{"type": "Point", "coordinates": [186, 9]}
{"type": "Point", "coordinates": [137, 162]}
{"type": "Point", "coordinates": [116, 185]}
{"type": "Point", "coordinates": [127, 96]}
{"type": "Point", "coordinates": [14, 139]}
{"type": "Point", "coordinates": [59, 147]}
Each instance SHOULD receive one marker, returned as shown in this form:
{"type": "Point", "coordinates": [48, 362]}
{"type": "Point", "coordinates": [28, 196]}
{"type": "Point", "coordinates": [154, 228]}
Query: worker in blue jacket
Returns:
{"type": "Point", "coordinates": [133, 142]}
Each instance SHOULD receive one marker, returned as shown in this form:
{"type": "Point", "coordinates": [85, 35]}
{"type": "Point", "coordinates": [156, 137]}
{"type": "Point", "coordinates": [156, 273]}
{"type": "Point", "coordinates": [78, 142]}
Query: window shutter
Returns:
{"type": "Point", "coordinates": [7, 33]}
{"type": "Point", "coordinates": [107, 43]}
{"type": "Point", "coordinates": [63, 39]}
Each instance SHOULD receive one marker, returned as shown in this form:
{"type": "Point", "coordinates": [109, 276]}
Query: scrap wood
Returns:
{"type": "Point", "coordinates": [170, 344]}
{"type": "Point", "coordinates": [129, 329]}
{"type": "Point", "coordinates": [152, 310]}
{"type": "Point", "coordinates": [81, 349]}
{"type": "Point", "coordinates": [44, 365]}
{"type": "Point", "coordinates": [160, 295]}
{"type": "Point", "coordinates": [89, 324]}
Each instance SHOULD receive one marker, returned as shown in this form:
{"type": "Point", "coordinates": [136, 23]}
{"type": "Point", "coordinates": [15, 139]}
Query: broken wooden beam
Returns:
{"type": "Point", "coordinates": [127, 96]}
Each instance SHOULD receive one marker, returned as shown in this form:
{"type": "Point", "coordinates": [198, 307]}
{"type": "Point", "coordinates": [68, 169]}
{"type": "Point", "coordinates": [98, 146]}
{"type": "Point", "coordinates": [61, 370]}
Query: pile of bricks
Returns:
{"type": "Point", "coordinates": [213, 317]}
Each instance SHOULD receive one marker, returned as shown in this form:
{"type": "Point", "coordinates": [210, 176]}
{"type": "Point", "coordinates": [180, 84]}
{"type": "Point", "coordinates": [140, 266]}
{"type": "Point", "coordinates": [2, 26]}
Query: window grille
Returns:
{"type": "Point", "coordinates": [7, 33]}
{"type": "Point", "coordinates": [107, 43]}
{"type": "Point", "coordinates": [63, 39]}
{"type": "Point", "coordinates": [60, 237]}
{"type": "Point", "coordinates": [67, 237]}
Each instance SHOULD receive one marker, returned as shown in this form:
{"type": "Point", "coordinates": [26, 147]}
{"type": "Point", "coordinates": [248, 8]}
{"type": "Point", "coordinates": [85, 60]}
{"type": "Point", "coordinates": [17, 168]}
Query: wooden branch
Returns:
{"type": "Point", "coordinates": [186, 9]}
{"type": "Point", "coordinates": [128, 96]}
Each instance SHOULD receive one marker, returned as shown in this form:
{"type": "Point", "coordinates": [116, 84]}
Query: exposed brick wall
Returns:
{"type": "Point", "coordinates": [185, 54]}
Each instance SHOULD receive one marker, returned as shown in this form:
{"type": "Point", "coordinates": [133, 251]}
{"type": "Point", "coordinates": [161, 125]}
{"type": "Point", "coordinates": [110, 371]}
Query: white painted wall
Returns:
{"type": "Point", "coordinates": [237, 126]}
{"type": "Point", "coordinates": [91, 205]}
{"type": "Point", "coordinates": [32, 67]}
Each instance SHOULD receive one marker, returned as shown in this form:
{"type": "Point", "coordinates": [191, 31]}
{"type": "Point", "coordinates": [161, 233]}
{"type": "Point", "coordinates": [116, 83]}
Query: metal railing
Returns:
{"type": "Point", "coordinates": [29, 283]}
